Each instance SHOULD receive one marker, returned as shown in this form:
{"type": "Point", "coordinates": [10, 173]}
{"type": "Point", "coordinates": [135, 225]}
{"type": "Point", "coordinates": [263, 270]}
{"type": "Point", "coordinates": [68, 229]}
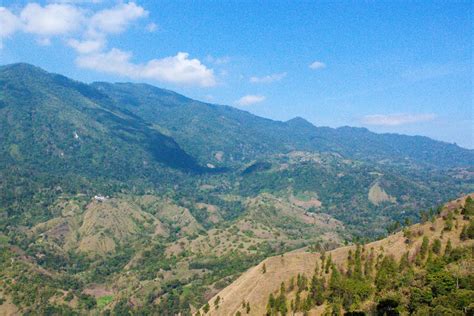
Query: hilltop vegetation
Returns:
{"type": "Point", "coordinates": [425, 269]}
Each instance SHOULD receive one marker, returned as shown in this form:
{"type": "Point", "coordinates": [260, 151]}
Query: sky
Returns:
{"type": "Point", "coordinates": [390, 66]}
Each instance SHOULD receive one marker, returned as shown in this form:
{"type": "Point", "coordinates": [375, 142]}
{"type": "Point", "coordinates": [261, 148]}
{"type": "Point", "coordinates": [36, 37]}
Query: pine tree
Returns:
{"type": "Point", "coordinates": [328, 264]}
{"type": "Point", "coordinates": [317, 290]}
{"type": "Point", "coordinates": [436, 247]}
{"type": "Point", "coordinates": [270, 304]}
{"type": "Point", "coordinates": [404, 262]}
{"type": "Point", "coordinates": [292, 284]}
{"type": "Point", "coordinates": [448, 249]}
{"type": "Point", "coordinates": [385, 278]}
{"type": "Point", "coordinates": [350, 263]}
{"type": "Point", "coordinates": [281, 300]}
{"type": "Point", "coordinates": [369, 264]}
{"type": "Point", "coordinates": [358, 263]}
{"type": "Point", "coordinates": [316, 268]}
{"type": "Point", "coordinates": [420, 257]}
{"type": "Point", "coordinates": [448, 224]}
{"type": "Point", "coordinates": [298, 301]}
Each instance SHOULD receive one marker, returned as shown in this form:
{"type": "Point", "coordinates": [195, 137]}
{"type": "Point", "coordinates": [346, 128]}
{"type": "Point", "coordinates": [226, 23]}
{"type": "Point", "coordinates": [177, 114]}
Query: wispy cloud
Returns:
{"type": "Point", "coordinates": [250, 99]}
{"type": "Point", "coordinates": [151, 27]}
{"type": "Point", "coordinates": [218, 60]}
{"type": "Point", "coordinates": [269, 78]}
{"type": "Point", "coordinates": [317, 65]}
{"type": "Point", "coordinates": [396, 119]}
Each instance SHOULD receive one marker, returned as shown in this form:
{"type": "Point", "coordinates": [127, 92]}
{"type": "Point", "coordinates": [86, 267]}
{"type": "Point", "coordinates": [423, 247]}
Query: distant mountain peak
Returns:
{"type": "Point", "coordinates": [21, 68]}
{"type": "Point", "coordinates": [298, 120]}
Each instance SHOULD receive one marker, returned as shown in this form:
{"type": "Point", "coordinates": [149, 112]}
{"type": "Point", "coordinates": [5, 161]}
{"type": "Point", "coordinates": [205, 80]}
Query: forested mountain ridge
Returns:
{"type": "Point", "coordinates": [236, 135]}
{"type": "Point", "coordinates": [115, 195]}
{"type": "Point", "coordinates": [424, 269]}
{"type": "Point", "coordinates": [72, 119]}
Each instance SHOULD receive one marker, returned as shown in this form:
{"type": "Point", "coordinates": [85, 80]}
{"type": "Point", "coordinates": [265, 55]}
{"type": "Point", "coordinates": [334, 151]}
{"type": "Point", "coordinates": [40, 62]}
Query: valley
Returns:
{"type": "Point", "coordinates": [124, 198]}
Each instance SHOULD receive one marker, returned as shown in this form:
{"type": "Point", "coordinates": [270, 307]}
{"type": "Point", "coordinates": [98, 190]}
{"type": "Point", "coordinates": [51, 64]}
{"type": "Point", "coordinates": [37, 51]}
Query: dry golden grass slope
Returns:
{"type": "Point", "coordinates": [254, 286]}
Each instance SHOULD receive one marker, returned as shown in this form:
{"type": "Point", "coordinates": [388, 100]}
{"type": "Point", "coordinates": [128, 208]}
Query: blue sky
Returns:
{"type": "Point", "coordinates": [399, 66]}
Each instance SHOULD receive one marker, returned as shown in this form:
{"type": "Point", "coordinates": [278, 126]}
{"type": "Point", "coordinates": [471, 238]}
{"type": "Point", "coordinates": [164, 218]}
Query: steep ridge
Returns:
{"type": "Point", "coordinates": [74, 127]}
{"type": "Point", "coordinates": [237, 135]}
{"type": "Point", "coordinates": [254, 287]}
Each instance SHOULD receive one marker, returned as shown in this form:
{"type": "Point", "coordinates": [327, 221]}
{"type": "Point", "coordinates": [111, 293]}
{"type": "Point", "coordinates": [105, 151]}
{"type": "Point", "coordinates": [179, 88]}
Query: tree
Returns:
{"type": "Point", "coordinates": [386, 275]}
{"type": "Point", "coordinates": [280, 302]}
{"type": "Point", "coordinates": [448, 224]}
{"type": "Point", "coordinates": [404, 262]}
{"type": "Point", "coordinates": [270, 304]}
{"type": "Point", "coordinates": [436, 247]}
{"type": "Point", "coordinates": [387, 307]}
{"type": "Point", "coordinates": [358, 263]}
{"type": "Point", "coordinates": [423, 251]}
{"type": "Point", "coordinates": [468, 231]}
{"type": "Point", "coordinates": [328, 264]}
{"type": "Point", "coordinates": [317, 290]}
{"type": "Point", "coordinates": [441, 282]}
{"type": "Point", "coordinates": [448, 249]}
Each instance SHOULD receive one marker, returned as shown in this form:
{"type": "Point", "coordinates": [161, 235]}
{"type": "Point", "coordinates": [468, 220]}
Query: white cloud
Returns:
{"type": "Point", "coordinates": [250, 99]}
{"type": "Point", "coordinates": [269, 78]}
{"type": "Point", "coordinates": [397, 119]}
{"type": "Point", "coordinates": [151, 27]}
{"type": "Point", "coordinates": [52, 19]}
{"type": "Point", "coordinates": [86, 46]}
{"type": "Point", "coordinates": [9, 23]}
{"type": "Point", "coordinates": [177, 69]}
{"type": "Point", "coordinates": [317, 65]}
{"type": "Point", "coordinates": [116, 19]}
{"type": "Point", "coordinates": [86, 31]}
{"type": "Point", "coordinates": [59, 19]}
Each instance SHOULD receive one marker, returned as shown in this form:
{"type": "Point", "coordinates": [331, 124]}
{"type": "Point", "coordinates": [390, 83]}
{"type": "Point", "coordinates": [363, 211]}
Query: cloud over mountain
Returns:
{"type": "Point", "coordinates": [250, 99]}
{"type": "Point", "coordinates": [396, 119]}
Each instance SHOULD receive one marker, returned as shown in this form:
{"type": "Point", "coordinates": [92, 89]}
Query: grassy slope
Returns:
{"type": "Point", "coordinates": [255, 287]}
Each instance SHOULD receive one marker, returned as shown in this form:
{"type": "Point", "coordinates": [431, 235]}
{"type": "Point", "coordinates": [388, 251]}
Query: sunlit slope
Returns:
{"type": "Point", "coordinates": [255, 286]}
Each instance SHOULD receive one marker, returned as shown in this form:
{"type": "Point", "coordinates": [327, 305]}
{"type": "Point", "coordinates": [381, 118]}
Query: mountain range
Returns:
{"type": "Point", "coordinates": [123, 190]}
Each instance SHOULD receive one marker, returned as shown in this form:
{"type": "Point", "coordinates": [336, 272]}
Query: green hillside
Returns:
{"type": "Point", "coordinates": [206, 129]}
{"type": "Point", "coordinates": [119, 193]}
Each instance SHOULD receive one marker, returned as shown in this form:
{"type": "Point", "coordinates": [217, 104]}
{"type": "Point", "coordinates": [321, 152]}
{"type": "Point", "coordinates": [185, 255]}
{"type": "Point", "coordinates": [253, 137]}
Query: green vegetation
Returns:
{"type": "Point", "coordinates": [197, 193]}
{"type": "Point", "coordinates": [441, 282]}
{"type": "Point", "coordinates": [104, 300]}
